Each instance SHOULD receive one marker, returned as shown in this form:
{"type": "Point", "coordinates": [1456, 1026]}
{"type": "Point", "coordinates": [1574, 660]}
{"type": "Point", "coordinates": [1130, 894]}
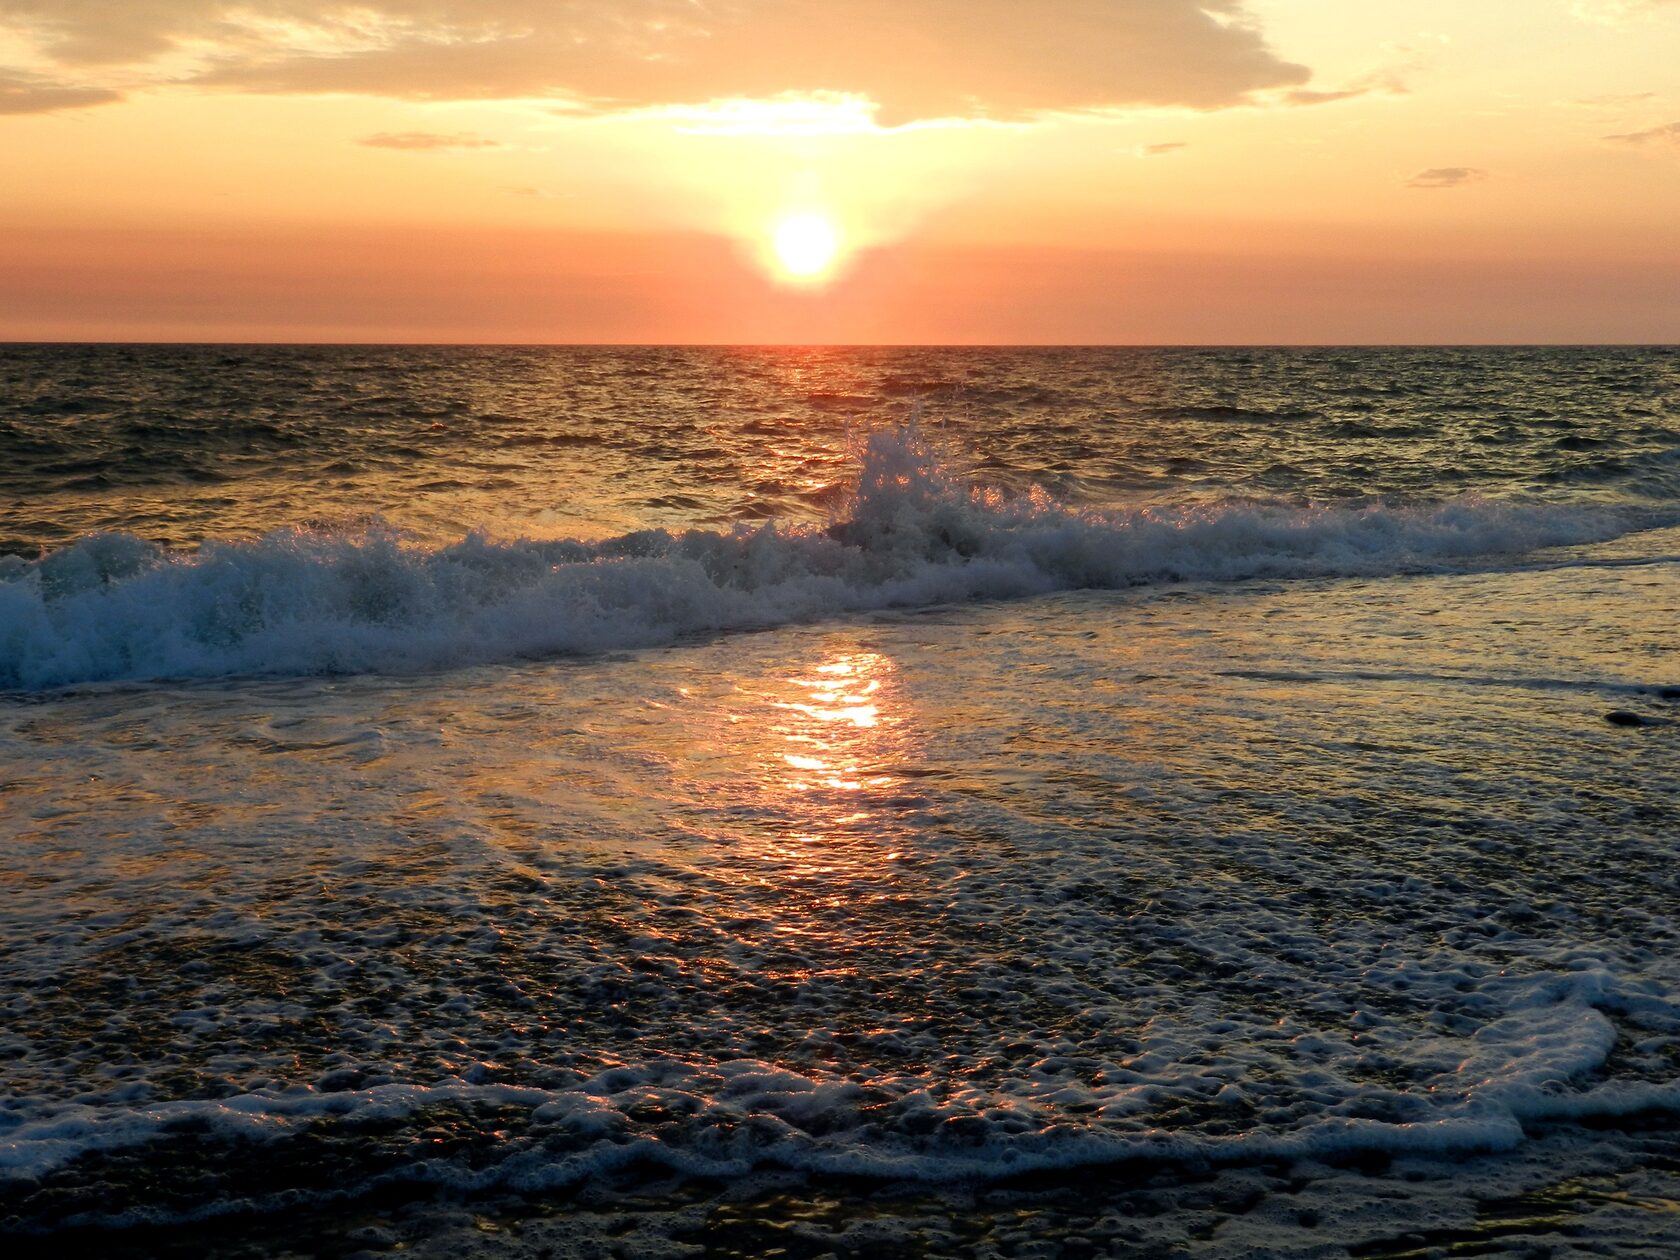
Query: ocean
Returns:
{"type": "Point", "coordinates": [839, 802]}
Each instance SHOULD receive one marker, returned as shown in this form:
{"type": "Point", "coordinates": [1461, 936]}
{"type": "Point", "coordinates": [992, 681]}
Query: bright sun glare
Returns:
{"type": "Point", "coordinates": [806, 245]}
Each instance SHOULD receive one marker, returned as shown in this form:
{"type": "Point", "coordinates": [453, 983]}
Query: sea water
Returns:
{"type": "Point", "coordinates": [879, 801]}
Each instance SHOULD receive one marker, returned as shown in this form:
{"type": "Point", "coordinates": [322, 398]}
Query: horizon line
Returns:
{"type": "Point", "coordinates": [9, 343]}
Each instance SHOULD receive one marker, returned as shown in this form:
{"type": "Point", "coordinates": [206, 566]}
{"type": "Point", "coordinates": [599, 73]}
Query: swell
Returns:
{"type": "Point", "coordinates": [304, 601]}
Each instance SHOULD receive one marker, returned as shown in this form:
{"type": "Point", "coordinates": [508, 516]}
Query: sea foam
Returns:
{"type": "Point", "coordinates": [1528, 1067]}
{"type": "Point", "coordinates": [310, 601]}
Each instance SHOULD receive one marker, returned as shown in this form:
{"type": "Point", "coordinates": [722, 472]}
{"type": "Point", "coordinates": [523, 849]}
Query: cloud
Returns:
{"type": "Point", "coordinates": [1388, 83]}
{"type": "Point", "coordinates": [1447, 177]}
{"type": "Point", "coordinates": [1611, 100]}
{"type": "Point", "coordinates": [29, 94]}
{"type": "Point", "coordinates": [428, 141]}
{"type": "Point", "coordinates": [916, 59]}
{"type": "Point", "coordinates": [1615, 12]}
{"type": "Point", "coordinates": [1668, 133]}
{"type": "Point", "coordinates": [1312, 96]}
{"type": "Point", "coordinates": [1157, 150]}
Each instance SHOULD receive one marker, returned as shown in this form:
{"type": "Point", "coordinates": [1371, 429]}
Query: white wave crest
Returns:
{"type": "Point", "coordinates": [301, 601]}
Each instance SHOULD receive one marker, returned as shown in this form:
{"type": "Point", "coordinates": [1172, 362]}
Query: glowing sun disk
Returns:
{"type": "Point", "coordinates": [806, 245]}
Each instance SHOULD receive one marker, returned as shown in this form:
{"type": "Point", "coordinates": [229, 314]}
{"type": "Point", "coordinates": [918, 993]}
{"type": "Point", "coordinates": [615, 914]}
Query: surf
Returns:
{"type": "Point", "coordinates": [309, 601]}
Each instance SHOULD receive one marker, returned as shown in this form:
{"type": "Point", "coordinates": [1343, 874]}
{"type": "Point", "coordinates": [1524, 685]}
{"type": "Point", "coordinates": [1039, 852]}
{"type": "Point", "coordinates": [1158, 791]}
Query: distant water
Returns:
{"type": "Point", "coordinates": [475, 801]}
{"type": "Point", "coordinates": [183, 444]}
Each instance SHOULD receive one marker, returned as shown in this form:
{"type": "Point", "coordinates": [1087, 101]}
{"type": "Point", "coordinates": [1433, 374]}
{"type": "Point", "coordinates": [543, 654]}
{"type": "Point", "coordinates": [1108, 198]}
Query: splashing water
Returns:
{"type": "Point", "coordinates": [303, 601]}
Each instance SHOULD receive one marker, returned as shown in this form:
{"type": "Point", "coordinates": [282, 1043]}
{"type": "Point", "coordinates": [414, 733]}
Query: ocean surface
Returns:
{"type": "Point", "coordinates": [839, 802]}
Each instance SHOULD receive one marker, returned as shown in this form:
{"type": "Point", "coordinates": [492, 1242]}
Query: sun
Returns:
{"type": "Point", "coordinates": [806, 246]}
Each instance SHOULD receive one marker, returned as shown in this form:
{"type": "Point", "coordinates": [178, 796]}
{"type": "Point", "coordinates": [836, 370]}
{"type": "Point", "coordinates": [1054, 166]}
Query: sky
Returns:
{"type": "Point", "coordinates": [841, 171]}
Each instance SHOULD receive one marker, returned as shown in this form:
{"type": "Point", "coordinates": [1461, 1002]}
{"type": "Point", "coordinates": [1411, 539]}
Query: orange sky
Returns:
{"type": "Point", "coordinates": [1154, 171]}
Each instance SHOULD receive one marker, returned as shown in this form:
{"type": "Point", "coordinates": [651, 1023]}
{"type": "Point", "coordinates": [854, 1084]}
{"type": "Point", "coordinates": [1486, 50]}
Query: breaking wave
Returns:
{"type": "Point", "coordinates": [307, 601]}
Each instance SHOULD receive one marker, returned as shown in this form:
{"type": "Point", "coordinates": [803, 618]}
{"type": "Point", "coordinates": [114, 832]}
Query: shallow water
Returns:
{"type": "Point", "coordinates": [1257, 878]}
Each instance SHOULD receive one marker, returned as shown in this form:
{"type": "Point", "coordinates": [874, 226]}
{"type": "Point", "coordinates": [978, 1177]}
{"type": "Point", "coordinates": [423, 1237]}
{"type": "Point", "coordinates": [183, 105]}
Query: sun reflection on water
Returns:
{"type": "Point", "coordinates": [826, 743]}
{"type": "Point", "coordinates": [831, 728]}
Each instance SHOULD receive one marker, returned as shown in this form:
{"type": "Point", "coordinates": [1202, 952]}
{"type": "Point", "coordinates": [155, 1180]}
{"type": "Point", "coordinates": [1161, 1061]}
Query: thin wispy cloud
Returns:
{"type": "Point", "coordinates": [29, 94]}
{"type": "Point", "coordinates": [428, 141]}
{"type": "Point", "coordinates": [1447, 177]}
{"type": "Point", "coordinates": [1668, 133]}
{"type": "Point", "coordinates": [1611, 100]}
{"type": "Point", "coordinates": [1386, 84]}
{"type": "Point", "coordinates": [1160, 150]}
{"type": "Point", "coordinates": [916, 59]}
{"type": "Point", "coordinates": [1311, 96]}
{"type": "Point", "coordinates": [1615, 12]}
